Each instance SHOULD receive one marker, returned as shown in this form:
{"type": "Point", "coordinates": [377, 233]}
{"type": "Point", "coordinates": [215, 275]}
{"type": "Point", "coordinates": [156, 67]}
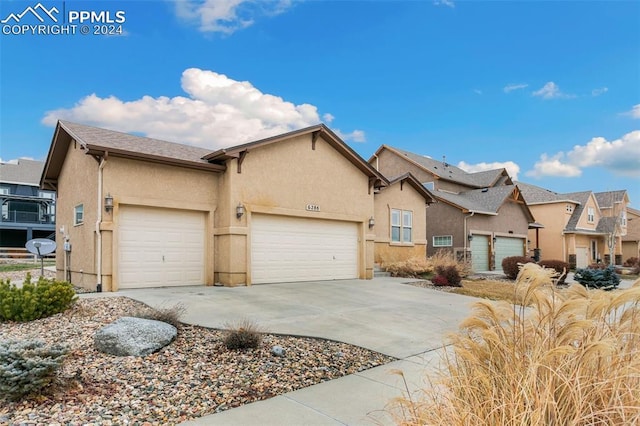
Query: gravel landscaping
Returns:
{"type": "Point", "coordinates": [194, 376]}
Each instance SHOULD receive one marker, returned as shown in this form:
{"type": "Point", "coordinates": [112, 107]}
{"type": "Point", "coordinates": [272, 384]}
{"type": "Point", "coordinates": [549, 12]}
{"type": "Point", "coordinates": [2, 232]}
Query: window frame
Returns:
{"type": "Point", "coordinates": [400, 226]}
{"type": "Point", "coordinates": [591, 215]}
{"type": "Point", "coordinates": [450, 244]}
{"type": "Point", "coordinates": [79, 208]}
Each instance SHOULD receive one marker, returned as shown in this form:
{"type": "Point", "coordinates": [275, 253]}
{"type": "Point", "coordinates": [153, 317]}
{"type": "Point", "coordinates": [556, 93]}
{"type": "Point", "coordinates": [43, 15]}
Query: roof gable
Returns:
{"type": "Point", "coordinates": [410, 179]}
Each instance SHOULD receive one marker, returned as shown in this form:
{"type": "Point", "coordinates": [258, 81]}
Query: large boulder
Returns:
{"type": "Point", "coordinates": [134, 336]}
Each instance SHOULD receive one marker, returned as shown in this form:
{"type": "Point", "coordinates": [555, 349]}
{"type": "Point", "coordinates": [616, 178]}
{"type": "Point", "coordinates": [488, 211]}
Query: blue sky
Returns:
{"type": "Point", "coordinates": [551, 90]}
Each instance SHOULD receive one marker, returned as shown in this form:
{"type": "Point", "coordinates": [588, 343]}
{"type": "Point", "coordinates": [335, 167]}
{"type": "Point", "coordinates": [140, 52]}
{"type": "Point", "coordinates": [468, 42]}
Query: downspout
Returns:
{"type": "Point", "coordinates": [98, 231]}
{"type": "Point", "coordinates": [465, 234]}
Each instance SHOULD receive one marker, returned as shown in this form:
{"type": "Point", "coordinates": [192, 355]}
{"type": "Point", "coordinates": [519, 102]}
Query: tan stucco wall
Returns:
{"type": "Point", "coordinates": [631, 241]}
{"type": "Point", "coordinates": [554, 218]}
{"type": "Point", "coordinates": [444, 219]}
{"type": "Point", "coordinates": [583, 223]}
{"type": "Point", "coordinates": [77, 184]}
{"type": "Point", "coordinates": [402, 197]}
{"type": "Point", "coordinates": [283, 178]}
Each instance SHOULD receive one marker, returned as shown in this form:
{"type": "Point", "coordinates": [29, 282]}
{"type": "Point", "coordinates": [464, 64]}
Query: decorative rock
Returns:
{"type": "Point", "coordinates": [134, 336]}
{"type": "Point", "coordinates": [278, 351]}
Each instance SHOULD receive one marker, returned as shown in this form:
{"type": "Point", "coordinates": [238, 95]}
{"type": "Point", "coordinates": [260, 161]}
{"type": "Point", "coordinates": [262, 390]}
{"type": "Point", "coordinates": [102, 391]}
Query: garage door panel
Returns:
{"type": "Point", "coordinates": [286, 249]}
{"type": "Point", "coordinates": [160, 247]}
{"type": "Point", "coordinates": [480, 253]}
{"type": "Point", "coordinates": [507, 247]}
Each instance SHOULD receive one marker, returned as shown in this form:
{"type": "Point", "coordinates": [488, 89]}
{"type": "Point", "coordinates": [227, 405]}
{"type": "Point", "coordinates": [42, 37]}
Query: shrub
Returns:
{"type": "Point", "coordinates": [27, 366]}
{"type": "Point", "coordinates": [569, 358]}
{"type": "Point", "coordinates": [450, 274]}
{"type": "Point", "coordinates": [439, 281]}
{"type": "Point", "coordinates": [244, 334]}
{"type": "Point", "coordinates": [33, 301]}
{"type": "Point", "coordinates": [604, 279]}
{"type": "Point", "coordinates": [410, 268]}
{"type": "Point", "coordinates": [446, 258]}
{"type": "Point", "coordinates": [631, 262]}
{"type": "Point", "coordinates": [170, 315]}
{"type": "Point", "coordinates": [560, 266]}
{"type": "Point", "coordinates": [511, 267]}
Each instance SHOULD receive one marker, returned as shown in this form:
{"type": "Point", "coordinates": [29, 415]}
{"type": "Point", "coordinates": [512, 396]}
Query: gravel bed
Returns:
{"type": "Point", "coordinates": [192, 377]}
{"type": "Point", "coordinates": [22, 275]}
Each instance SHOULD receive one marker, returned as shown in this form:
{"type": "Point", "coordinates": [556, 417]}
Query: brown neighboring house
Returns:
{"type": "Point", "coordinates": [579, 227]}
{"type": "Point", "coordinates": [631, 241]}
{"type": "Point", "coordinates": [479, 216]}
{"type": "Point", "coordinates": [141, 212]}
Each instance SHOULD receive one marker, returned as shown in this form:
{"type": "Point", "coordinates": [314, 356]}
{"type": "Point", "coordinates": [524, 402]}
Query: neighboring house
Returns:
{"type": "Point", "coordinates": [400, 223]}
{"type": "Point", "coordinates": [631, 241]}
{"type": "Point", "coordinates": [27, 211]}
{"type": "Point", "coordinates": [140, 212]}
{"type": "Point", "coordinates": [481, 216]}
{"type": "Point", "coordinates": [579, 227]}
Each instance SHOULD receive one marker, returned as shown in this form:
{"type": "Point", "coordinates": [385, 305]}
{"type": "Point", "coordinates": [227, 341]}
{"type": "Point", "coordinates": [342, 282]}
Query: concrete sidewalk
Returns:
{"type": "Point", "coordinates": [383, 315]}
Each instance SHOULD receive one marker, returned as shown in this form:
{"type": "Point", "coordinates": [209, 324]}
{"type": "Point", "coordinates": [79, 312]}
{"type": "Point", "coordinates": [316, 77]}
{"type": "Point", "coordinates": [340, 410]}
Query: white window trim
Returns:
{"type": "Point", "coordinates": [402, 227]}
{"type": "Point", "coordinates": [77, 222]}
{"type": "Point", "coordinates": [591, 215]}
{"type": "Point", "coordinates": [442, 245]}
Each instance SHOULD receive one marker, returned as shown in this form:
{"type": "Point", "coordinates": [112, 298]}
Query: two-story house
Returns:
{"type": "Point", "coordinates": [482, 217]}
{"type": "Point", "coordinates": [579, 227]}
{"type": "Point", "coordinates": [27, 211]}
{"type": "Point", "coordinates": [631, 241]}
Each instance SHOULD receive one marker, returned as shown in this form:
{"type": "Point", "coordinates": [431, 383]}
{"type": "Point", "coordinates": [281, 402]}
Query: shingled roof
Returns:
{"type": "Point", "coordinates": [537, 195]}
{"type": "Point", "coordinates": [481, 201]}
{"type": "Point", "coordinates": [450, 172]}
{"type": "Point", "coordinates": [581, 199]}
{"type": "Point", "coordinates": [608, 198]}
{"type": "Point", "coordinates": [21, 172]}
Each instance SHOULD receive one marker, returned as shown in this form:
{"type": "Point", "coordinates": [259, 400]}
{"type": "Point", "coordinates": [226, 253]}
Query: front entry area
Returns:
{"type": "Point", "coordinates": [289, 249]}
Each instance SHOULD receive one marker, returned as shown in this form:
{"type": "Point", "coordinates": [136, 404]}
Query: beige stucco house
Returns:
{"type": "Point", "coordinates": [140, 212]}
{"type": "Point", "coordinates": [578, 225]}
{"type": "Point", "coordinates": [631, 241]}
{"type": "Point", "coordinates": [481, 217]}
{"type": "Point", "coordinates": [401, 226]}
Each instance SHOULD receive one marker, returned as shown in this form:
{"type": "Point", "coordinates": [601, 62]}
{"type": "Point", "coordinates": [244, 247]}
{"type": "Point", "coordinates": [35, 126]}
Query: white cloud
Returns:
{"type": "Point", "coordinates": [449, 3]}
{"type": "Point", "coordinates": [226, 16]}
{"type": "Point", "coordinates": [218, 112]}
{"type": "Point", "coordinates": [512, 168]}
{"type": "Point", "coordinates": [511, 87]}
{"type": "Point", "coordinates": [599, 91]}
{"type": "Point", "coordinates": [620, 156]}
{"type": "Point", "coordinates": [355, 136]}
{"type": "Point", "coordinates": [635, 111]}
{"type": "Point", "coordinates": [551, 91]}
{"type": "Point", "coordinates": [328, 118]}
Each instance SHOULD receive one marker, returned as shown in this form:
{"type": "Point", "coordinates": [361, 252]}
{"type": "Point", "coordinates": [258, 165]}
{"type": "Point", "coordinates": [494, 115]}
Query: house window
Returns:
{"type": "Point", "coordinates": [623, 218]}
{"type": "Point", "coordinates": [79, 214]}
{"type": "Point", "coordinates": [4, 190]}
{"type": "Point", "coordinates": [429, 185]}
{"type": "Point", "coordinates": [569, 208]}
{"type": "Point", "coordinates": [591, 215]}
{"type": "Point", "coordinates": [401, 226]}
{"type": "Point", "coordinates": [442, 241]}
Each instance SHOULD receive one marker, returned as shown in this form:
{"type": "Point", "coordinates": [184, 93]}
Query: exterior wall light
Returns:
{"type": "Point", "coordinates": [239, 210]}
{"type": "Point", "coordinates": [108, 202]}
{"type": "Point", "coordinates": [372, 222]}
{"type": "Point", "coordinates": [470, 237]}
{"type": "Point", "coordinates": [494, 240]}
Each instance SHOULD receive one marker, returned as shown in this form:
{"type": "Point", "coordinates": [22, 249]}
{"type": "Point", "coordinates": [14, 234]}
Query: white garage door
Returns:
{"type": "Point", "coordinates": [160, 247]}
{"type": "Point", "coordinates": [480, 253]}
{"type": "Point", "coordinates": [507, 247]}
{"type": "Point", "coordinates": [287, 249]}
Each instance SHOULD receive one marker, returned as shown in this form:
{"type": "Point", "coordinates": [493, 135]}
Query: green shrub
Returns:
{"type": "Point", "coordinates": [560, 266]}
{"type": "Point", "coordinates": [33, 301]}
{"type": "Point", "coordinates": [27, 366]}
{"type": "Point", "coordinates": [170, 315]}
{"type": "Point", "coordinates": [510, 265]}
{"type": "Point", "coordinates": [450, 274]}
{"type": "Point", "coordinates": [244, 334]}
{"type": "Point", "coordinates": [604, 279]}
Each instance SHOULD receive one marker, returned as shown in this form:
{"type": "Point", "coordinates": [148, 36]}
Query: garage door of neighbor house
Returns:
{"type": "Point", "coordinates": [160, 247]}
{"type": "Point", "coordinates": [288, 249]}
{"type": "Point", "coordinates": [506, 247]}
{"type": "Point", "coordinates": [480, 253]}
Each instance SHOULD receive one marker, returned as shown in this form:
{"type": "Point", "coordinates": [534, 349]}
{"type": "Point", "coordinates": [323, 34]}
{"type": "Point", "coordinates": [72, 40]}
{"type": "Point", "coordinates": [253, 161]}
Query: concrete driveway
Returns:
{"type": "Point", "coordinates": [382, 314]}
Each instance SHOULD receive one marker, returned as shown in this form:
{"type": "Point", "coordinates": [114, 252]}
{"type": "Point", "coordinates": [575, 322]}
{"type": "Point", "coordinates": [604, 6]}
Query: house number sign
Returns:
{"type": "Point", "coordinates": [313, 207]}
